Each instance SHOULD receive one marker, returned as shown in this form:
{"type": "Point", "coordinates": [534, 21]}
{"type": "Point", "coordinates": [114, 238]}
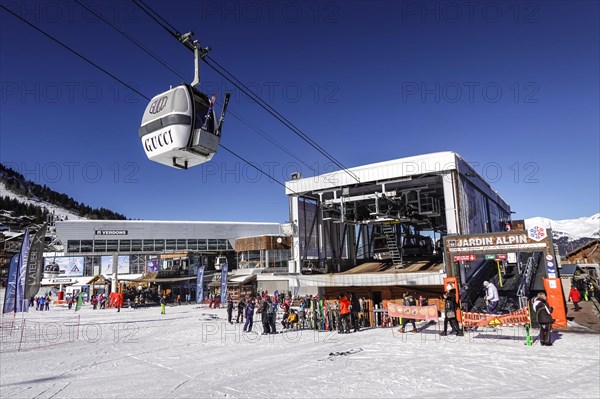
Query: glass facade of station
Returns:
{"type": "Point", "coordinates": [148, 245]}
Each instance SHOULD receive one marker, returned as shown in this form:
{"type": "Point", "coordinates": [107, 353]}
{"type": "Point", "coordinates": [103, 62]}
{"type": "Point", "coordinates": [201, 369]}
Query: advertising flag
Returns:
{"type": "Point", "coordinates": [35, 264]}
{"type": "Point", "coordinates": [224, 271]}
{"type": "Point", "coordinates": [11, 286]}
{"type": "Point", "coordinates": [21, 303]}
{"type": "Point", "coordinates": [200, 285]}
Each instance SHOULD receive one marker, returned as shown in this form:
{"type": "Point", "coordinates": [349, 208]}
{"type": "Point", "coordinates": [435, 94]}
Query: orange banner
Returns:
{"type": "Point", "coordinates": [413, 312]}
{"type": "Point", "coordinates": [517, 317]}
{"type": "Point", "coordinates": [556, 300]}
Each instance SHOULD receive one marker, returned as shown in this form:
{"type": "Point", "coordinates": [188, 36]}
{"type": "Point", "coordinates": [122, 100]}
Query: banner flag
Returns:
{"type": "Point", "coordinates": [21, 303]}
{"type": "Point", "coordinates": [429, 312]}
{"type": "Point", "coordinates": [11, 286]}
{"type": "Point", "coordinates": [520, 316]}
{"type": "Point", "coordinates": [79, 301]}
{"type": "Point", "coordinates": [35, 264]}
{"type": "Point", "coordinates": [224, 271]}
{"type": "Point", "coordinates": [200, 285]}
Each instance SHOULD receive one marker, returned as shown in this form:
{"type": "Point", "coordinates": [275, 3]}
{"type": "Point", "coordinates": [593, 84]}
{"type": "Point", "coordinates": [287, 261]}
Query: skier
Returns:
{"type": "Point", "coordinates": [229, 311]}
{"type": "Point", "coordinates": [491, 296]}
{"type": "Point", "coordinates": [451, 307]}
{"type": "Point", "coordinates": [543, 313]}
{"type": "Point", "coordinates": [163, 302]}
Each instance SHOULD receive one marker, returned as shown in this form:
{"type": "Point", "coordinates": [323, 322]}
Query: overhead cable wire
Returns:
{"type": "Point", "coordinates": [72, 51]}
{"type": "Point", "coordinates": [263, 104]}
{"type": "Point", "coordinates": [57, 41]}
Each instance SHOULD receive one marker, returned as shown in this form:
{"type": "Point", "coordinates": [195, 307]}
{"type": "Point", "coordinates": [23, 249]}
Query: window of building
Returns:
{"type": "Point", "coordinates": [112, 245]}
{"type": "Point", "coordinates": [159, 245]}
{"type": "Point", "coordinates": [222, 243]}
{"type": "Point", "coordinates": [124, 245]}
{"type": "Point", "coordinates": [202, 245]}
{"type": "Point", "coordinates": [137, 264]}
{"type": "Point", "coordinates": [136, 245]}
{"type": "Point", "coordinates": [87, 246]}
{"type": "Point", "coordinates": [73, 246]}
{"type": "Point", "coordinates": [171, 245]}
{"type": "Point", "coordinates": [181, 244]}
{"type": "Point", "coordinates": [149, 245]}
{"type": "Point", "coordinates": [213, 244]}
{"type": "Point", "coordinates": [99, 245]}
{"type": "Point", "coordinates": [192, 244]}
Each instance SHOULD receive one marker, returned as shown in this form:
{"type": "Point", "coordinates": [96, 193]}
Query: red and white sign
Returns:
{"type": "Point", "coordinates": [464, 258]}
{"type": "Point", "coordinates": [501, 256]}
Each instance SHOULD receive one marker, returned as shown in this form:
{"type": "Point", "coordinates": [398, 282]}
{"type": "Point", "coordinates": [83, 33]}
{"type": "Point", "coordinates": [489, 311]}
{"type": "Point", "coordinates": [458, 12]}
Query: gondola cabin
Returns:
{"type": "Point", "coordinates": [51, 270]}
{"type": "Point", "coordinates": [179, 128]}
{"type": "Point", "coordinates": [220, 261]}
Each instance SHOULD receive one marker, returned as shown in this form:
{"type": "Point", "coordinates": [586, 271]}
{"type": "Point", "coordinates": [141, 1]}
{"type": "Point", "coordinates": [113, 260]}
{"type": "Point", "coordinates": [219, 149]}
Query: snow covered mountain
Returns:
{"type": "Point", "coordinates": [59, 212]}
{"type": "Point", "coordinates": [569, 233]}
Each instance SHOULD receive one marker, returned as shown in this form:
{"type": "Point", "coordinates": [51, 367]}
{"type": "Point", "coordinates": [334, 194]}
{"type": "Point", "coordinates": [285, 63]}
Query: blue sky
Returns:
{"type": "Point", "coordinates": [512, 87]}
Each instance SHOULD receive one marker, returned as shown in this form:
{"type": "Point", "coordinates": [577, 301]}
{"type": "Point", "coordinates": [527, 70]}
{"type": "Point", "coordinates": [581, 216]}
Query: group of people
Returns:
{"type": "Point", "coordinates": [581, 290]}
{"type": "Point", "coordinates": [343, 315]}
{"type": "Point", "coordinates": [41, 302]}
{"type": "Point", "coordinates": [540, 308]}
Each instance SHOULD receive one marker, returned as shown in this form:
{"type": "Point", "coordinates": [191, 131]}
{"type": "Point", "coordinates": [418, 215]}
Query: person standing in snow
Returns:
{"type": "Point", "coordinates": [354, 311]}
{"type": "Point", "coordinates": [249, 315]}
{"type": "Point", "coordinates": [575, 296]}
{"type": "Point", "coordinates": [229, 311]}
{"type": "Point", "coordinates": [163, 303]}
{"type": "Point", "coordinates": [408, 300]}
{"type": "Point", "coordinates": [241, 307]}
{"type": "Point", "coordinates": [543, 313]}
{"type": "Point", "coordinates": [491, 296]}
{"type": "Point", "coordinates": [273, 316]}
{"type": "Point", "coordinates": [451, 308]}
{"type": "Point", "coordinates": [266, 313]}
{"type": "Point", "coordinates": [345, 306]}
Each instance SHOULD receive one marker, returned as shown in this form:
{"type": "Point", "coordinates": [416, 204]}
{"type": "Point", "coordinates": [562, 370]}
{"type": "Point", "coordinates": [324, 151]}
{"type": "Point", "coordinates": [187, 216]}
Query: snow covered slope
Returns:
{"type": "Point", "coordinates": [60, 213]}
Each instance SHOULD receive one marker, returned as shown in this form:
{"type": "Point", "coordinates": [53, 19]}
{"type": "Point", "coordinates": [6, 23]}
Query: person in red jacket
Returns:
{"type": "Point", "coordinates": [575, 296]}
{"type": "Point", "coordinates": [345, 306]}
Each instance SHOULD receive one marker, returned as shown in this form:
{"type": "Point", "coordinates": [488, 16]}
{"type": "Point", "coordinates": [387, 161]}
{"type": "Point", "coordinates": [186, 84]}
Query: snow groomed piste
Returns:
{"type": "Point", "coordinates": [192, 351]}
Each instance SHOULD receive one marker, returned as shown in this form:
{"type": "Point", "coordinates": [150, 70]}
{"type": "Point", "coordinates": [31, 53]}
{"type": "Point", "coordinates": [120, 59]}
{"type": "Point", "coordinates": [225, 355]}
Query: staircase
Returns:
{"type": "Point", "coordinates": [392, 244]}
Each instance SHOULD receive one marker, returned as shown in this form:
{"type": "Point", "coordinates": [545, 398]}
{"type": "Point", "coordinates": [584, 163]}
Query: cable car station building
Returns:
{"type": "Point", "coordinates": [347, 222]}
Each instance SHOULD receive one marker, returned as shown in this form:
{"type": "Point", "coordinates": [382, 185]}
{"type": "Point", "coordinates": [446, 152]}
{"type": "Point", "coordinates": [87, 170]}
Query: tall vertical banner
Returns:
{"type": "Point", "coordinates": [21, 303]}
{"type": "Point", "coordinates": [11, 286]}
{"type": "Point", "coordinates": [35, 263]}
{"type": "Point", "coordinates": [200, 285]}
{"type": "Point", "coordinates": [224, 271]}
